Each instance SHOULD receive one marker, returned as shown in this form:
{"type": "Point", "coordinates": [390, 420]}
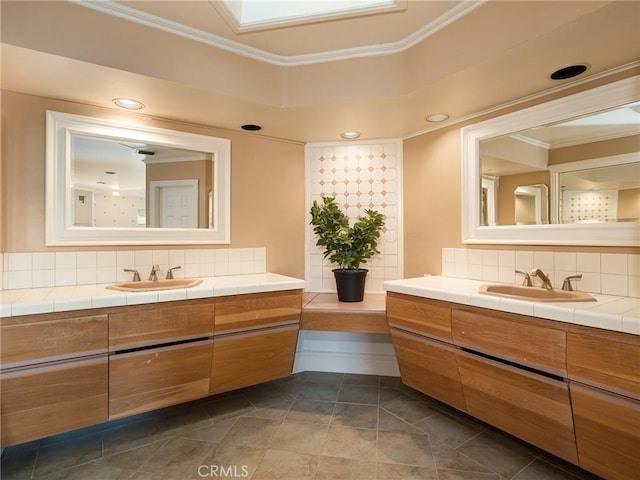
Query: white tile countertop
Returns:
{"type": "Point", "coordinates": [621, 314]}
{"type": "Point", "coordinates": [58, 299]}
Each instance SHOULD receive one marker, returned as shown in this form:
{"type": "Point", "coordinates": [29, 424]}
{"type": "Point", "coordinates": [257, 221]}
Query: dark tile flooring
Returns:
{"type": "Point", "coordinates": [312, 425]}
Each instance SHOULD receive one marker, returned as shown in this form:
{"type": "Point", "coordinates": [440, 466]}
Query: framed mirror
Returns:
{"type": "Point", "coordinates": [521, 171]}
{"type": "Point", "coordinates": [116, 183]}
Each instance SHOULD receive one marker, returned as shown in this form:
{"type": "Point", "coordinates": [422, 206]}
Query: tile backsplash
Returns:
{"type": "Point", "coordinates": [54, 269]}
{"type": "Point", "coordinates": [606, 273]}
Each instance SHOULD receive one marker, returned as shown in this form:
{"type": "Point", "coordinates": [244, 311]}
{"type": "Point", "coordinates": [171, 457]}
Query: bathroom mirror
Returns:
{"type": "Point", "coordinates": [594, 134]}
{"type": "Point", "coordinates": [116, 183]}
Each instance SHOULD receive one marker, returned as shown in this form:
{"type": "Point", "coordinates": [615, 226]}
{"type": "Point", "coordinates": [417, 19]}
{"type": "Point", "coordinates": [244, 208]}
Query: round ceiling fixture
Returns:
{"type": "Point", "coordinates": [350, 135]}
{"type": "Point", "coordinates": [437, 117]}
{"type": "Point", "coordinates": [251, 127]}
{"type": "Point", "coordinates": [569, 72]}
{"type": "Point", "coordinates": [128, 103]}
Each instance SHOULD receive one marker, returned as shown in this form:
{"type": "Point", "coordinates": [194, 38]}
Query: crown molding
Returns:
{"type": "Point", "coordinates": [133, 15]}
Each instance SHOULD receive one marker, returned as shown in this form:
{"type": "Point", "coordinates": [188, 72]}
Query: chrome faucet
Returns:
{"type": "Point", "coordinates": [136, 274]}
{"type": "Point", "coordinates": [170, 272]}
{"type": "Point", "coordinates": [546, 283]}
{"type": "Point", "coordinates": [527, 278]}
{"type": "Point", "coordinates": [566, 285]}
{"type": "Point", "coordinates": [154, 273]}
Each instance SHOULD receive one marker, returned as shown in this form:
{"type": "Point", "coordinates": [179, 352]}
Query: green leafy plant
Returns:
{"type": "Point", "coordinates": [347, 246]}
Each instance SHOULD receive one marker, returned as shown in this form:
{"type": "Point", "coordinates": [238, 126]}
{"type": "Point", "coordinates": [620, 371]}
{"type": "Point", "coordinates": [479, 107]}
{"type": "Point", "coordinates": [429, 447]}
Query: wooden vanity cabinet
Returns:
{"type": "Point", "coordinates": [54, 374]}
{"type": "Point", "coordinates": [516, 338]}
{"type": "Point", "coordinates": [528, 405]}
{"type": "Point", "coordinates": [421, 334]}
{"type": "Point", "coordinates": [160, 355]}
{"type": "Point", "coordinates": [604, 373]}
{"type": "Point", "coordinates": [148, 379]}
{"type": "Point", "coordinates": [49, 399]}
{"type": "Point", "coordinates": [256, 338]}
{"type": "Point", "coordinates": [430, 318]}
{"type": "Point", "coordinates": [429, 366]}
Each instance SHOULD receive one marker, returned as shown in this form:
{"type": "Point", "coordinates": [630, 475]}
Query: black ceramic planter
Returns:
{"type": "Point", "coordinates": [350, 283]}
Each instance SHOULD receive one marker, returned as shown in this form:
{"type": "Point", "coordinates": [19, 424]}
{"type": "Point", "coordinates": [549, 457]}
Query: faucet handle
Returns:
{"type": "Point", "coordinates": [566, 285]}
{"type": "Point", "coordinates": [136, 274]}
{"type": "Point", "coordinates": [527, 278]}
{"type": "Point", "coordinates": [170, 272]}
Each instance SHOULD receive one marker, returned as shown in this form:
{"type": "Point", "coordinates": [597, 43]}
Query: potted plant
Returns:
{"type": "Point", "coordinates": [345, 245]}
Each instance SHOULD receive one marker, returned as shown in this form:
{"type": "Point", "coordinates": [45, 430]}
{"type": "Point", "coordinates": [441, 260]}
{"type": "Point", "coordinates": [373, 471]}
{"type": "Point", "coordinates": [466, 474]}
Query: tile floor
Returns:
{"type": "Point", "coordinates": [310, 426]}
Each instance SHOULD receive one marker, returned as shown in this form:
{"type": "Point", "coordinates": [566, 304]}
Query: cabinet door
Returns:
{"type": "Point", "coordinates": [158, 377]}
{"type": "Point", "coordinates": [532, 407]}
{"type": "Point", "coordinates": [257, 310]}
{"type": "Point", "coordinates": [250, 358]}
{"type": "Point", "coordinates": [419, 315]}
{"type": "Point", "coordinates": [607, 360]}
{"type": "Point", "coordinates": [429, 366]}
{"type": "Point", "coordinates": [39, 339]}
{"type": "Point", "coordinates": [42, 401]}
{"type": "Point", "coordinates": [148, 325]}
{"type": "Point", "coordinates": [607, 432]}
{"type": "Point", "coordinates": [516, 338]}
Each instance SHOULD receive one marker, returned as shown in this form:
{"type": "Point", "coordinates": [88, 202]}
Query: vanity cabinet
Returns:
{"type": "Point", "coordinates": [429, 366]}
{"type": "Point", "coordinates": [422, 339]}
{"type": "Point", "coordinates": [604, 374]}
{"type": "Point", "coordinates": [256, 337]}
{"type": "Point", "coordinates": [160, 355]}
{"type": "Point", "coordinates": [528, 405]}
{"type": "Point", "coordinates": [515, 338]}
{"type": "Point", "coordinates": [153, 378]}
{"type": "Point", "coordinates": [573, 391]}
{"type": "Point", "coordinates": [54, 374]}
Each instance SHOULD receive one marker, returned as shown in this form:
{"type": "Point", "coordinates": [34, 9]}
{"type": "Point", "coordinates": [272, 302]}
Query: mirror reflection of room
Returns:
{"type": "Point", "coordinates": [598, 160]}
{"type": "Point", "coordinates": [126, 184]}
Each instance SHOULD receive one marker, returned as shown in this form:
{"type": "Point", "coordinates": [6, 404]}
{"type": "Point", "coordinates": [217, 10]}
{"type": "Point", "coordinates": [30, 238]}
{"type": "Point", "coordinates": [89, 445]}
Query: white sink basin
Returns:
{"type": "Point", "coordinates": [151, 285]}
{"type": "Point", "coordinates": [534, 294]}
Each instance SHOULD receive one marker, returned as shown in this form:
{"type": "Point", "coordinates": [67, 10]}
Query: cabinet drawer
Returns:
{"type": "Point", "coordinates": [607, 360]}
{"type": "Point", "coordinates": [607, 432]}
{"type": "Point", "coordinates": [429, 366]}
{"type": "Point", "coordinates": [244, 359]}
{"type": "Point", "coordinates": [37, 341]}
{"type": "Point", "coordinates": [42, 401]}
{"type": "Point", "coordinates": [530, 406]}
{"type": "Point", "coordinates": [160, 323]}
{"type": "Point", "coordinates": [419, 315]}
{"type": "Point", "coordinates": [258, 310]}
{"type": "Point", "coordinates": [512, 337]}
{"type": "Point", "coordinates": [158, 377]}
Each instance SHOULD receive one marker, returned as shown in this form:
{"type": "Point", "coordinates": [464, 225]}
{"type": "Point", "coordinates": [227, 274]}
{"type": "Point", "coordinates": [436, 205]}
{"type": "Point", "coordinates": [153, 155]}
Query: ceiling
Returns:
{"type": "Point", "coordinates": [308, 81]}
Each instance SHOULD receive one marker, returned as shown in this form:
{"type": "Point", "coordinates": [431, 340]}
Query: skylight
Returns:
{"type": "Point", "coordinates": [254, 13]}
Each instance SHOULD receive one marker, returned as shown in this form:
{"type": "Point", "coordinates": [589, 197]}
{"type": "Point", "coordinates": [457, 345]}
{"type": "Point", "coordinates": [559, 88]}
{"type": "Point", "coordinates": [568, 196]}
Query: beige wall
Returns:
{"type": "Point", "coordinates": [604, 148]}
{"type": "Point", "coordinates": [629, 205]}
{"type": "Point", "coordinates": [267, 187]}
{"type": "Point", "coordinates": [507, 185]}
{"type": "Point", "coordinates": [432, 192]}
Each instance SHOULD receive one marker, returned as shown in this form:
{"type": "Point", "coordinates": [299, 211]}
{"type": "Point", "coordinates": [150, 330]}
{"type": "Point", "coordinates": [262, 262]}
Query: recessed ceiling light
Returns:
{"type": "Point", "coordinates": [251, 127]}
{"type": "Point", "coordinates": [128, 103]}
{"type": "Point", "coordinates": [437, 117]}
{"type": "Point", "coordinates": [350, 135]}
{"type": "Point", "coordinates": [569, 72]}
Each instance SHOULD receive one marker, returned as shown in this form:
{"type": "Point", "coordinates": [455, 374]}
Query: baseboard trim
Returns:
{"type": "Point", "coordinates": [361, 363]}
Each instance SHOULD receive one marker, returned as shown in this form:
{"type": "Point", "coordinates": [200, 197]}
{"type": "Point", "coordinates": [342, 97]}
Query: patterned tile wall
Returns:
{"type": "Point", "coordinates": [360, 175]}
